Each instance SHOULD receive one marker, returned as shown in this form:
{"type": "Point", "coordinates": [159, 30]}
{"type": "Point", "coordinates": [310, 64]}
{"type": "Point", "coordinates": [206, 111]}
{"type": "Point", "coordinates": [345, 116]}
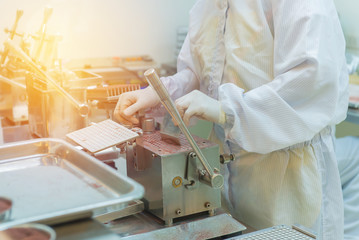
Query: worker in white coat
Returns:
{"type": "Point", "coordinates": [271, 75]}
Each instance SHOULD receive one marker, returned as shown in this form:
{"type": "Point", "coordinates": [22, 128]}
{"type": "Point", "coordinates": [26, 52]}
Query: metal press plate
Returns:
{"type": "Point", "coordinates": [102, 135]}
{"type": "Point", "coordinates": [50, 181]}
{"type": "Point", "coordinates": [156, 144]}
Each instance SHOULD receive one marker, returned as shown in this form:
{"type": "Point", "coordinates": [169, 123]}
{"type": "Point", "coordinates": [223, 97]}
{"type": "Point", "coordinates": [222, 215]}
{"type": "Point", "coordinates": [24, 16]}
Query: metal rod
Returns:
{"type": "Point", "coordinates": [12, 82]}
{"type": "Point", "coordinates": [42, 32]}
{"type": "Point", "coordinates": [215, 180]}
{"type": "Point", "coordinates": [83, 108]}
{"type": "Point", "coordinates": [19, 13]}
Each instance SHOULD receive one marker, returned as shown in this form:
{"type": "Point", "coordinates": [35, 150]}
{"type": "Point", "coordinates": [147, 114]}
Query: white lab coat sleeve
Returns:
{"type": "Point", "coordinates": [309, 89]}
{"type": "Point", "coordinates": [185, 80]}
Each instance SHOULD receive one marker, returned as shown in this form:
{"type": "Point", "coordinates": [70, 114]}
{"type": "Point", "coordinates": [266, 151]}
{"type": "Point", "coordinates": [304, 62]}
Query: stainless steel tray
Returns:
{"type": "Point", "coordinates": [50, 181]}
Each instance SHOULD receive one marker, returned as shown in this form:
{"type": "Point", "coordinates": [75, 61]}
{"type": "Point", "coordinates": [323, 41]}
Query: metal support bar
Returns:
{"type": "Point", "coordinates": [12, 82]}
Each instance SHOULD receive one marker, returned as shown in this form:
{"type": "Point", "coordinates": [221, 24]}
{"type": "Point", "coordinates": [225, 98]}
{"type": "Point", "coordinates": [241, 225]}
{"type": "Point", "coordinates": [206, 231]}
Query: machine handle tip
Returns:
{"type": "Point", "coordinates": [217, 181]}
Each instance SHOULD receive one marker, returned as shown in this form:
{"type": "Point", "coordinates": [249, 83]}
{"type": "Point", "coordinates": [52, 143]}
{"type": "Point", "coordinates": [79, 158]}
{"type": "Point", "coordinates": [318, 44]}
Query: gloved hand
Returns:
{"type": "Point", "coordinates": [198, 104]}
{"type": "Point", "coordinates": [131, 102]}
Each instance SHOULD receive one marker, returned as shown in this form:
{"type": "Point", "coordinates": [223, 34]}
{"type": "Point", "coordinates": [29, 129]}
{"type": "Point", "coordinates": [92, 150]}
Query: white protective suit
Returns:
{"type": "Point", "coordinates": [278, 69]}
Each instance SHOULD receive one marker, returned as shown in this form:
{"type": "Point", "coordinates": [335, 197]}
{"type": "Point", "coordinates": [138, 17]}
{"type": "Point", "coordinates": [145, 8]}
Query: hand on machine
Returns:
{"type": "Point", "coordinates": [198, 104]}
{"type": "Point", "coordinates": [194, 104]}
{"type": "Point", "coordinates": [132, 102]}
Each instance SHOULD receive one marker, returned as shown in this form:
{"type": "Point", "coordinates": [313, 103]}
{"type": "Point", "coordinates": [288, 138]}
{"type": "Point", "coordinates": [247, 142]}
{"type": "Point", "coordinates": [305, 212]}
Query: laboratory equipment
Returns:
{"type": "Point", "coordinates": [13, 101]}
{"type": "Point", "coordinates": [50, 181]}
{"type": "Point", "coordinates": [13, 95]}
{"type": "Point", "coordinates": [278, 232]}
{"type": "Point", "coordinates": [180, 179]}
{"type": "Point", "coordinates": [171, 175]}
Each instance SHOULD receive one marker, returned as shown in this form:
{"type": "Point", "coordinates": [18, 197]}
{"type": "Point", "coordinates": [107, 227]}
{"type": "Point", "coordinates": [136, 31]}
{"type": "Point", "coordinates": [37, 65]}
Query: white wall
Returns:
{"type": "Point", "coordinates": [349, 16]}
{"type": "Point", "coordinates": [102, 28]}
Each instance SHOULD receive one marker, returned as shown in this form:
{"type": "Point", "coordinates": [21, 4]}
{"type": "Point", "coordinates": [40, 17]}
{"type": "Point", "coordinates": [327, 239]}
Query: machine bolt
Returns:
{"type": "Point", "coordinates": [148, 125]}
{"type": "Point", "coordinates": [207, 205]}
{"type": "Point", "coordinates": [193, 155]}
{"type": "Point", "coordinates": [202, 172]}
{"type": "Point", "coordinates": [178, 211]}
{"type": "Point", "coordinates": [177, 182]}
{"type": "Point", "coordinates": [226, 158]}
{"type": "Point", "coordinates": [191, 185]}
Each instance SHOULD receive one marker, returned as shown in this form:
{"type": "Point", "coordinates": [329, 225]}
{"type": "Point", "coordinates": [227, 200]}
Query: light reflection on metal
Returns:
{"type": "Point", "coordinates": [42, 167]}
{"type": "Point", "coordinates": [82, 107]}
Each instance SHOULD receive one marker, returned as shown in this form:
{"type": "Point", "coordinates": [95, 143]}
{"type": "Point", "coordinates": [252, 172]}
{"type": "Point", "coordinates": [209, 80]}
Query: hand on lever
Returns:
{"type": "Point", "coordinates": [131, 102]}
{"type": "Point", "coordinates": [198, 104]}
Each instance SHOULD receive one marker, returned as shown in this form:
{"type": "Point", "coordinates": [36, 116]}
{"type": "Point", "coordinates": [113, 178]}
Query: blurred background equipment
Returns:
{"type": "Point", "coordinates": [13, 104]}
{"type": "Point", "coordinates": [53, 98]}
{"type": "Point", "coordinates": [12, 92]}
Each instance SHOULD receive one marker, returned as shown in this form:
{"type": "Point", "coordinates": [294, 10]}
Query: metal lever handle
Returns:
{"type": "Point", "coordinates": [42, 33]}
{"type": "Point", "coordinates": [19, 14]}
{"type": "Point", "coordinates": [83, 108]}
{"type": "Point", "coordinates": [215, 180]}
{"type": "Point", "coordinates": [47, 14]}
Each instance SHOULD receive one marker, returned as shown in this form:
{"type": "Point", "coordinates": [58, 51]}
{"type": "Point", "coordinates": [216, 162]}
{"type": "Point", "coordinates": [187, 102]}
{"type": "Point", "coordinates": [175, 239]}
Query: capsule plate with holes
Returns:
{"type": "Point", "coordinates": [102, 135]}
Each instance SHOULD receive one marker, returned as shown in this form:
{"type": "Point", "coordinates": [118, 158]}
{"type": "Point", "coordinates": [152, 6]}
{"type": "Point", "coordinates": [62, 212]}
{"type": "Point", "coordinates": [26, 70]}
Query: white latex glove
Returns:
{"type": "Point", "coordinates": [131, 102]}
{"type": "Point", "coordinates": [198, 104]}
